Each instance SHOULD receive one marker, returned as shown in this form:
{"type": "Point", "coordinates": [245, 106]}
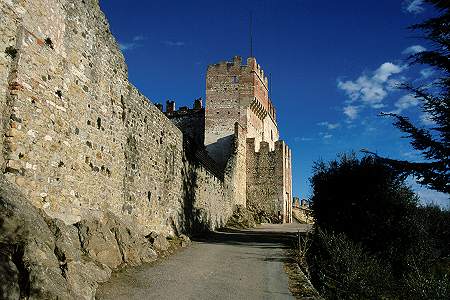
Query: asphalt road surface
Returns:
{"type": "Point", "coordinates": [234, 265]}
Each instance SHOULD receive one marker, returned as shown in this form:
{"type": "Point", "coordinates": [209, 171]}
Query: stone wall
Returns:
{"type": "Point", "coordinates": [236, 168]}
{"type": "Point", "coordinates": [216, 197]}
{"type": "Point", "coordinates": [269, 181]}
{"type": "Point", "coordinates": [85, 149]}
{"type": "Point", "coordinates": [191, 122]}
{"type": "Point", "coordinates": [80, 139]}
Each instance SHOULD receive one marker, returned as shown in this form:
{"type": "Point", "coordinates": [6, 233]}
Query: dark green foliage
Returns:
{"type": "Point", "coordinates": [341, 269]}
{"type": "Point", "coordinates": [434, 142]}
{"type": "Point", "coordinates": [362, 198]}
{"type": "Point", "coordinates": [424, 284]}
{"type": "Point", "coordinates": [376, 242]}
{"type": "Point", "coordinates": [437, 223]}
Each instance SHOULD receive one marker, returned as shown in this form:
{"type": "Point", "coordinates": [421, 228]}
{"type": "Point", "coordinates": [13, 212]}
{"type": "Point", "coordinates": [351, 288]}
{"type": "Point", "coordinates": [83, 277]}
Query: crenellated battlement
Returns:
{"type": "Point", "coordinates": [257, 69]}
{"type": "Point", "coordinates": [236, 66]}
{"type": "Point", "coordinates": [236, 63]}
{"type": "Point", "coordinates": [264, 147]}
{"type": "Point", "coordinates": [183, 110]}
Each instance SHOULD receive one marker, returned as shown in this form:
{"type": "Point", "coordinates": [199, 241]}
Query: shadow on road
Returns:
{"type": "Point", "coordinates": [260, 239]}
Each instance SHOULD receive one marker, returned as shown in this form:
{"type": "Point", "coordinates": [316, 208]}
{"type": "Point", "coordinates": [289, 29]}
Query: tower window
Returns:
{"type": "Point", "coordinates": [271, 134]}
{"type": "Point", "coordinates": [235, 79]}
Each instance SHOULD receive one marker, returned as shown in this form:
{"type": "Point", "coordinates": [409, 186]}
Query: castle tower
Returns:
{"type": "Point", "coordinates": [237, 93]}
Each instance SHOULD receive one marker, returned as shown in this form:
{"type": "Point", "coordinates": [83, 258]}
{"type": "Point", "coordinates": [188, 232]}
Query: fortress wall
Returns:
{"type": "Point", "coordinates": [9, 23]}
{"type": "Point", "coordinates": [271, 132]}
{"type": "Point", "coordinates": [80, 140]}
{"type": "Point", "coordinates": [153, 153]}
{"type": "Point", "coordinates": [235, 172]}
{"type": "Point", "coordinates": [288, 184]}
{"type": "Point", "coordinates": [214, 200]}
{"type": "Point", "coordinates": [192, 123]}
{"type": "Point", "coordinates": [211, 207]}
{"type": "Point", "coordinates": [268, 179]}
{"type": "Point", "coordinates": [89, 165]}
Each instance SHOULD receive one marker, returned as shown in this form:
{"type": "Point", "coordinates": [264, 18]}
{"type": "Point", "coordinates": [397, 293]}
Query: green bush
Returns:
{"type": "Point", "coordinates": [365, 199]}
{"type": "Point", "coordinates": [423, 284]}
{"type": "Point", "coordinates": [376, 242]}
{"type": "Point", "coordinates": [342, 269]}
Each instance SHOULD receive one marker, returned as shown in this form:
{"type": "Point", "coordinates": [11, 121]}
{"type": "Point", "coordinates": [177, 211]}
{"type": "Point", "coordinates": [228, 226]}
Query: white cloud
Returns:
{"type": "Point", "coordinates": [405, 102]}
{"type": "Point", "coordinates": [127, 46]}
{"type": "Point", "coordinates": [363, 88]}
{"type": "Point", "coordinates": [387, 69]}
{"type": "Point", "coordinates": [414, 49]}
{"type": "Point", "coordinates": [411, 155]}
{"type": "Point", "coordinates": [414, 6]}
{"type": "Point", "coordinates": [428, 196]}
{"type": "Point", "coordinates": [371, 90]}
{"type": "Point", "coordinates": [325, 135]}
{"type": "Point", "coordinates": [132, 45]}
{"type": "Point", "coordinates": [351, 112]}
{"type": "Point", "coordinates": [329, 125]}
{"type": "Point", "coordinates": [378, 105]}
{"type": "Point", "coordinates": [174, 43]}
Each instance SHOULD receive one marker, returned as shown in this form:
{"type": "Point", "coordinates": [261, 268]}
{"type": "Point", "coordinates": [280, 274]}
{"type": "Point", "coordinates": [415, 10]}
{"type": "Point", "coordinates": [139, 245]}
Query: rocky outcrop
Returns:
{"type": "Point", "coordinates": [303, 215]}
{"type": "Point", "coordinates": [43, 258]}
{"type": "Point", "coordinates": [29, 251]}
{"type": "Point", "coordinates": [241, 218]}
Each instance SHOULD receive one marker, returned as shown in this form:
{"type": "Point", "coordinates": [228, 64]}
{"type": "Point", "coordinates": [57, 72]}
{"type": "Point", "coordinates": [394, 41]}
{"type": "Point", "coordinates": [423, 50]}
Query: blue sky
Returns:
{"type": "Point", "coordinates": [334, 66]}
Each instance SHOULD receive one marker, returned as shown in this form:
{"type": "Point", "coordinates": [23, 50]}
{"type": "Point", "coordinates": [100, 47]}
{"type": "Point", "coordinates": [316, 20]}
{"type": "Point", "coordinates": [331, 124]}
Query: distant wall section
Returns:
{"type": "Point", "coordinates": [191, 121]}
{"type": "Point", "coordinates": [269, 182]}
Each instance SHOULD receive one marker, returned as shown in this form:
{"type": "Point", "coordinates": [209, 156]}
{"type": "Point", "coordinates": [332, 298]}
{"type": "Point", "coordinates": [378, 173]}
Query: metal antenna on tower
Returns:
{"type": "Point", "coordinates": [251, 34]}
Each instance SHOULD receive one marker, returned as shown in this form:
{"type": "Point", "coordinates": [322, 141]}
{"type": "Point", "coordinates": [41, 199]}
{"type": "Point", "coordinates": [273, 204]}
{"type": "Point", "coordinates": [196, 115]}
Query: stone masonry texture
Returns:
{"type": "Point", "coordinates": [240, 93]}
{"type": "Point", "coordinates": [93, 171]}
{"type": "Point", "coordinates": [87, 152]}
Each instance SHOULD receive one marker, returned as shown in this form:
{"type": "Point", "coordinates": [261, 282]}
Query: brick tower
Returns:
{"type": "Point", "coordinates": [237, 93]}
{"type": "Point", "coordinates": [240, 93]}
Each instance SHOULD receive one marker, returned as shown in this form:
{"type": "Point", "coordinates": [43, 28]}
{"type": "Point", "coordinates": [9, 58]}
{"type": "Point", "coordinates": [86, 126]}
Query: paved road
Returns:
{"type": "Point", "coordinates": [235, 265]}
